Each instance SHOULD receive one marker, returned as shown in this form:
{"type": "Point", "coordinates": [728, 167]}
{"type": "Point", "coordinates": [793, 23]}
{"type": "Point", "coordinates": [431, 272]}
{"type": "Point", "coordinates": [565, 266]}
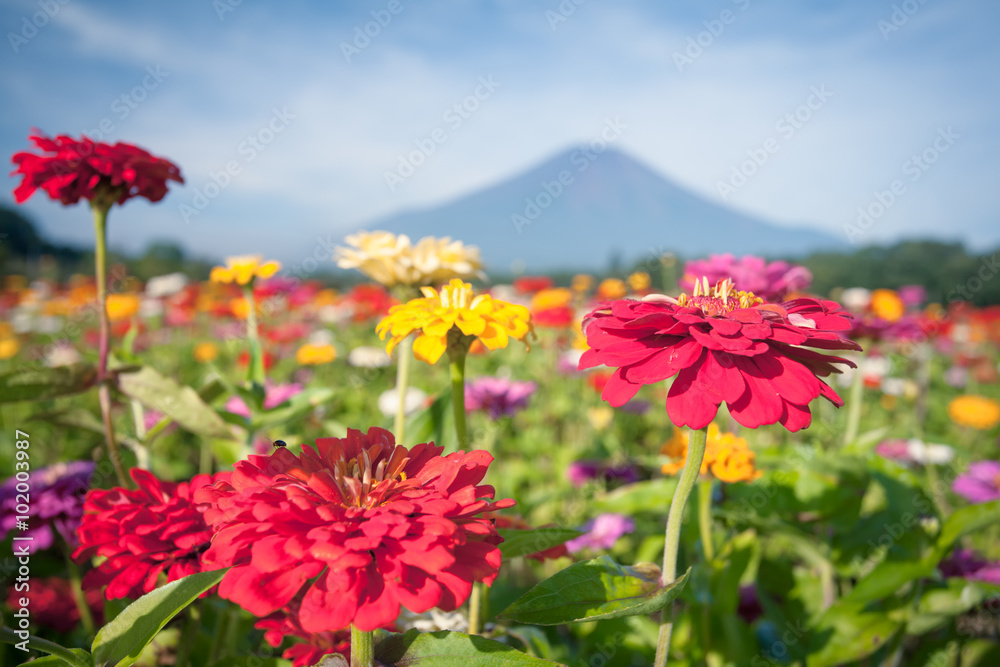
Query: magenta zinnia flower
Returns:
{"type": "Point", "coordinates": [498, 396]}
{"type": "Point", "coordinates": [770, 281]}
{"type": "Point", "coordinates": [274, 395]}
{"type": "Point", "coordinates": [980, 484]}
{"type": "Point", "coordinates": [56, 495]}
{"type": "Point", "coordinates": [356, 527]}
{"type": "Point", "coordinates": [722, 346]}
{"type": "Point", "coordinates": [601, 533]}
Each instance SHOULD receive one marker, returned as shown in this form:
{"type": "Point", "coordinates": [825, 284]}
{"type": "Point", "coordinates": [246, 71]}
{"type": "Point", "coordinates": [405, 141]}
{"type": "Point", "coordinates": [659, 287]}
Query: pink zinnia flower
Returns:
{"type": "Point", "coordinates": [980, 483]}
{"type": "Point", "coordinates": [770, 281]}
{"type": "Point", "coordinates": [722, 346]}
{"type": "Point", "coordinates": [357, 527]}
{"type": "Point", "coordinates": [274, 395]}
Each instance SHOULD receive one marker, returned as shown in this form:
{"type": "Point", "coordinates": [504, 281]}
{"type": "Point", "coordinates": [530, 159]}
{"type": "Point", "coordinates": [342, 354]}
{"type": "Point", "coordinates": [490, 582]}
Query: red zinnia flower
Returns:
{"type": "Point", "coordinates": [378, 525]}
{"type": "Point", "coordinates": [286, 623]}
{"type": "Point", "coordinates": [71, 170]}
{"type": "Point", "coordinates": [531, 284]}
{"type": "Point", "coordinates": [52, 604]}
{"type": "Point", "coordinates": [157, 528]}
{"type": "Point", "coordinates": [723, 346]}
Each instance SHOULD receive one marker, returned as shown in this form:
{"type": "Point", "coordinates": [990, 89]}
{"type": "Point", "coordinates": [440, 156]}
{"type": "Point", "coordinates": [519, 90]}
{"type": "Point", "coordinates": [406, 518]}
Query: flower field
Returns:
{"type": "Point", "coordinates": [430, 468]}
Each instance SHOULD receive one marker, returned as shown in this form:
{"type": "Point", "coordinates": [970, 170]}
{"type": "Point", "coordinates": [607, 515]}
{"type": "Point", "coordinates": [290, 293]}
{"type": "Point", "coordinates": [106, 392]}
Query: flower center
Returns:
{"type": "Point", "coordinates": [365, 485]}
{"type": "Point", "coordinates": [720, 300]}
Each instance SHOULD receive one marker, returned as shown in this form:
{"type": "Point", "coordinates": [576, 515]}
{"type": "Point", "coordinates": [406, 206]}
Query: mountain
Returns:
{"type": "Point", "coordinates": [579, 209]}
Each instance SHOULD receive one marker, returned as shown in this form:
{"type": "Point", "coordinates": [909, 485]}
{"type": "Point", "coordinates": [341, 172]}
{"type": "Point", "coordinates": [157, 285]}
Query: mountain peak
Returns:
{"type": "Point", "coordinates": [588, 203]}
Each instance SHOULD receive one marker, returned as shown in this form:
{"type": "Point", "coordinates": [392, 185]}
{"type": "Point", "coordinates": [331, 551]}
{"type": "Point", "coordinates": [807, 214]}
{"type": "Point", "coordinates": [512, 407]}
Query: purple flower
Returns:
{"type": "Point", "coordinates": [749, 608]}
{"type": "Point", "coordinates": [980, 484]}
{"type": "Point", "coordinates": [601, 533]}
{"type": "Point", "coordinates": [957, 377]}
{"type": "Point", "coordinates": [770, 281]}
{"type": "Point", "coordinates": [498, 396]}
{"type": "Point", "coordinates": [55, 500]}
{"type": "Point", "coordinates": [274, 395]}
{"type": "Point", "coordinates": [967, 564]}
{"type": "Point", "coordinates": [581, 472]}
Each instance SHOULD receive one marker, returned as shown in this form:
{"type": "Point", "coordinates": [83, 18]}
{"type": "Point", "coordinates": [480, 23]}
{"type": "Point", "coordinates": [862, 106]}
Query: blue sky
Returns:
{"type": "Point", "coordinates": [702, 87]}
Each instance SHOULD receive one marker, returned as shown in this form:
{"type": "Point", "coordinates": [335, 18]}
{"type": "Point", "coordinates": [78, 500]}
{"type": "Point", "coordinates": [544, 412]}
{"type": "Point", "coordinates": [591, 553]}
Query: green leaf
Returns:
{"type": "Point", "coordinates": [120, 642]}
{"type": "Point", "coordinates": [83, 659]}
{"type": "Point", "coordinates": [39, 384]}
{"type": "Point", "coordinates": [182, 404]}
{"type": "Point", "coordinates": [967, 520]}
{"type": "Point", "coordinates": [251, 660]}
{"type": "Point", "coordinates": [77, 418]}
{"type": "Point", "coordinates": [593, 590]}
{"type": "Point", "coordinates": [647, 496]}
{"type": "Point", "coordinates": [526, 542]}
{"type": "Point", "coordinates": [845, 635]}
{"type": "Point", "coordinates": [450, 649]}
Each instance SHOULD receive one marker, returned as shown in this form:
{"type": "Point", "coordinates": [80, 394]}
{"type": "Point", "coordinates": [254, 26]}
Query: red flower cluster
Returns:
{"type": "Point", "coordinates": [157, 528]}
{"type": "Point", "coordinates": [71, 170]}
{"type": "Point", "coordinates": [286, 623]}
{"type": "Point", "coordinates": [52, 605]}
{"type": "Point", "coordinates": [377, 526]}
{"type": "Point", "coordinates": [532, 284]}
{"type": "Point", "coordinates": [723, 346]}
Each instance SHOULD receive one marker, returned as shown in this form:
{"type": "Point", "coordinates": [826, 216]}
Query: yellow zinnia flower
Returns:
{"type": "Point", "coordinates": [393, 260]}
{"type": "Point", "coordinates": [887, 305]}
{"type": "Point", "coordinates": [974, 411]}
{"type": "Point", "coordinates": [243, 269]}
{"type": "Point", "coordinates": [312, 354]}
{"type": "Point", "coordinates": [639, 281]}
{"type": "Point", "coordinates": [122, 306]}
{"type": "Point", "coordinates": [611, 288]}
{"type": "Point", "coordinates": [8, 347]}
{"type": "Point", "coordinates": [558, 297]}
{"type": "Point", "coordinates": [454, 316]}
{"type": "Point", "coordinates": [727, 456]}
{"type": "Point", "coordinates": [205, 352]}
{"type": "Point", "coordinates": [582, 282]}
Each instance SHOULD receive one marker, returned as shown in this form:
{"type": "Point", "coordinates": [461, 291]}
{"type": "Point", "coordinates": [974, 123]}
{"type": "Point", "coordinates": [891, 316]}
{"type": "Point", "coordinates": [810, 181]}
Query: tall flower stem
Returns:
{"type": "Point", "coordinates": [104, 340]}
{"type": "Point", "coordinates": [856, 399]}
{"type": "Point", "coordinates": [692, 467]}
{"type": "Point", "coordinates": [86, 619]}
{"type": "Point", "coordinates": [362, 648]}
{"type": "Point", "coordinates": [458, 395]}
{"type": "Point", "coordinates": [403, 353]}
{"type": "Point", "coordinates": [253, 335]}
{"type": "Point", "coordinates": [705, 518]}
{"type": "Point", "coordinates": [475, 607]}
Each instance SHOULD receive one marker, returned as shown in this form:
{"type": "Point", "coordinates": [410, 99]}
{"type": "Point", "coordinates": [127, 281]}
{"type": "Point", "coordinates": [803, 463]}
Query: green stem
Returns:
{"type": "Point", "coordinates": [458, 396]}
{"type": "Point", "coordinates": [671, 544]}
{"type": "Point", "coordinates": [856, 401]}
{"type": "Point", "coordinates": [705, 518]}
{"type": "Point", "coordinates": [362, 648]}
{"type": "Point", "coordinates": [475, 606]}
{"type": "Point", "coordinates": [256, 352]}
{"type": "Point", "coordinates": [186, 642]}
{"type": "Point", "coordinates": [78, 597]}
{"type": "Point", "coordinates": [403, 353]}
{"type": "Point", "coordinates": [224, 628]}
{"type": "Point", "coordinates": [104, 338]}
{"type": "Point", "coordinates": [8, 636]}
